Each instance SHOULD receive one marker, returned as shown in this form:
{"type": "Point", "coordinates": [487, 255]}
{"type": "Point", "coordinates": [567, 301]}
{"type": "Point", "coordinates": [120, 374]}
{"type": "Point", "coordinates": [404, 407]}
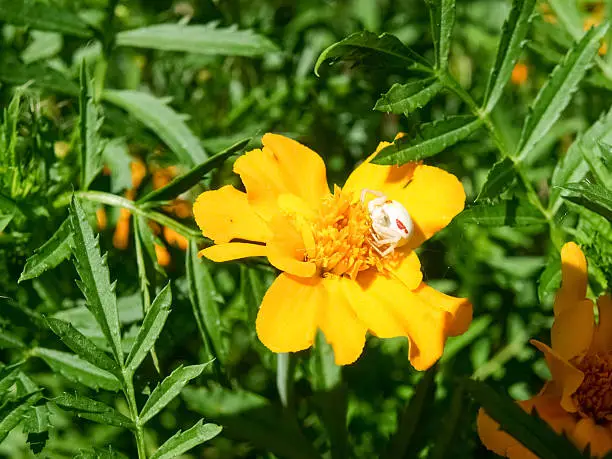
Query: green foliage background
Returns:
{"type": "Point", "coordinates": [78, 91]}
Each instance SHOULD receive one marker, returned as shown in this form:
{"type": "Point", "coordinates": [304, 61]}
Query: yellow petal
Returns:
{"type": "Point", "coordinates": [233, 251]}
{"type": "Point", "coordinates": [386, 179]}
{"type": "Point", "coordinates": [286, 249]}
{"type": "Point", "coordinates": [499, 441]}
{"type": "Point", "coordinates": [572, 330]}
{"type": "Point", "coordinates": [283, 166]}
{"type": "Point", "coordinates": [342, 328]}
{"type": "Point", "coordinates": [432, 198]}
{"type": "Point", "coordinates": [602, 339]}
{"type": "Point", "coordinates": [574, 278]}
{"type": "Point", "coordinates": [460, 309]}
{"type": "Point", "coordinates": [599, 437]}
{"type": "Point", "coordinates": [225, 214]}
{"type": "Point", "coordinates": [288, 316]}
{"type": "Point", "coordinates": [408, 271]}
{"type": "Point", "coordinates": [567, 377]}
{"type": "Point", "coordinates": [424, 325]}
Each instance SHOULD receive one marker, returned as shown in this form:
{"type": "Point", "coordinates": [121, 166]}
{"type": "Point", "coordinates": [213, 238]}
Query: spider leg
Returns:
{"type": "Point", "coordinates": [367, 191]}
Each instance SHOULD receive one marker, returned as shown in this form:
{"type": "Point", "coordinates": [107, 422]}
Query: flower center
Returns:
{"type": "Point", "coordinates": [343, 238]}
{"type": "Point", "coordinates": [594, 396]}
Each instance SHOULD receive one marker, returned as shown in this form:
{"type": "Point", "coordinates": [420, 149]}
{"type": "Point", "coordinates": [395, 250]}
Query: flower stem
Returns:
{"type": "Point", "coordinates": [131, 399]}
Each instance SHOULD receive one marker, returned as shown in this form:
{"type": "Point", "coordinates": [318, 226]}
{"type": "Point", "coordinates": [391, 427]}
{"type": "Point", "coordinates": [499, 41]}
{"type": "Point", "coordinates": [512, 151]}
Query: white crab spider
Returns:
{"type": "Point", "coordinates": [391, 222]}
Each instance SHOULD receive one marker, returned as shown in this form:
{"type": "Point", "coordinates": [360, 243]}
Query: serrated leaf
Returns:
{"type": "Point", "coordinates": [181, 442]}
{"type": "Point", "coordinates": [433, 139]}
{"type": "Point", "coordinates": [557, 92]}
{"type": "Point", "coordinates": [528, 429]}
{"type": "Point", "coordinates": [80, 344]}
{"type": "Point", "coordinates": [169, 388]}
{"type": "Point", "coordinates": [77, 369]}
{"type": "Point", "coordinates": [594, 197]}
{"type": "Point", "coordinates": [8, 375]}
{"type": "Point", "coordinates": [248, 416]}
{"type": "Point", "coordinates": [161, 119]}
{"type": "Point", "coordinates": [8, 210]}
{"type": "Point", "coordinates": [36, 425]}
{"type": "Point", "coordinates": [406, 98]}
{"type": "Point", "coordinates": [186, 181]}
{"type": "Point", "coordinates": [500, 176]}
{"type": "Point", "coordinates": [201, 39]}
{"type": "Point", "coordinates": [12, 71]}
{"type": "Point", "coordinates": [150, 329]}
{"type": "Point", "coordinates": [550, 279]}
{"type": "Point", "coordinates": [442, 18]}
{"type": "Point", "coordinates": [50, 254]}
{"type": "Point", "coordinates": [95, 278]}
{"type": "Point", "coordinates": [384, 50]}
{"type": "Point", "coordinates": [572, 167]}
{"type": "Point", "coordinates": [599, 159]}
{"type": "Point", "coordinates": [509, 49]}
{"type": "Point", "coordinates": [11, 413]}
{"type": "Point", "coordinates": [205, 302]}
{"type": "Point", "coordinates": [90, 123]}
{"type": "Point", "coordinates": [93, 410]}
{"type": "Point", "coordinates": [42, 16]}
{"type": "Point", "coordinates": [512, 212]}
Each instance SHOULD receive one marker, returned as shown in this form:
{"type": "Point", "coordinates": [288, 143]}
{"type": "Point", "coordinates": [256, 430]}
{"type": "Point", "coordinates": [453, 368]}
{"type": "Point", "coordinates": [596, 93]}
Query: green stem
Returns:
{"type": "Point", "coordinates": [131, 399]}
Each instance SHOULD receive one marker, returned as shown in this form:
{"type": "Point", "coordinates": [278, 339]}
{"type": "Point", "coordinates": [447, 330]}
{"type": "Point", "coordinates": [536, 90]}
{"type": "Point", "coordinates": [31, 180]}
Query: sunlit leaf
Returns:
{"type": "Point", "coordinates": [594, 197]}
{"type": "Point", "coordinates": [511, 212]}
{"type": "Point", "coordinates": [500, 176]}
{"type": "Point", "coordinates": [406, 98]}
{"type": "Point", "coordinates": [182, 442]}
{"type": "Point", "coordinates": [442, 18]}
{"type": "Point", "coordinates": [12, 413]}
{"type": "Point", "coordinates": [93, 410]}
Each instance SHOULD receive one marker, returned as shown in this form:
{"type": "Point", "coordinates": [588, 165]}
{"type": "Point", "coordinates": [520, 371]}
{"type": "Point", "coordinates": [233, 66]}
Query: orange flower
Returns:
{"type": "Point", "coordinates": [347, 263]}
{"type": "Point", "coordinates": [578, 400]}
{"type": "Point", "coordinates": [520, 72]}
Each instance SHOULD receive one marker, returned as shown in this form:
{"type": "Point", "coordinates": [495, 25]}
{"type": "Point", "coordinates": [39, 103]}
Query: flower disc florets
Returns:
{"type": "Point", "coordinates": [594, 396]}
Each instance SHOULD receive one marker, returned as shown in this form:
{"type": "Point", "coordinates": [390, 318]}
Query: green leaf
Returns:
{"type": "Point", "coordinates": [50, 254]}
{"type": "Point", "coordinates": [509, 49]}
{"type": "Point", "coordinates": [201, 39]}
{"type": "Point", "coordinates": [569, 16]}
{"type": "Point", "coordinates": [12, 71]}
{"type": "Point", "coordinates": [186, 181]}
{"type": "Point", "coordinates": [93, 410]}
{"type": "Point", "coordinates": [442, 18]}
{"type": "Point", "coordinates": [161, 119]}
{"type": "Point", "coordinates": [399, 443]}
{"type": "Point", "coordinates": [499, 178]}
{"type": "Point", "coordinates": [573, 167]}
{"type": "Point", "coordinates": [117, 157]}
{"type": "Point", "coordinates": [550, 279]}
{"type": "Point", "coordinates": [248, 416]}
{"type": "Point", "coordinates": [10, 341]}
{"type": "Point", "coordinates": [181, 442]}
{"type": "Point", "coordinates": [43, 16]}
{"type": "Point", "coordinates": [511, 212]}
{"type": "Point", "coordinates": [150, 329]}
{"type": "Point", "coordinates": [599, 160]}
{"type": "Point", "coordinates": [44, 45]}
{"type": "Point", "coordinates": [107, 453]}
{"type": "Point", "coordinates": [557, 92]}
{"type": "Point", "coordinates": [80, 344]}
{"type": "Point", "coordinates": [12, 413]}
{"type": "Point", "coordinates": [406, 98]}
{"type": "Point", "coordinates": [594, 197]}
{"type": "Point", "coordinates": [8, 375]}
{"type": "Point", "coordinates": [77, 369]}
{"type": "Point", "coordinates": [8, 210]}
{"type": "Point", "coordinates": [367, 48]}
{"type": "Point", "coordinates": [205, 302]}
{"type": "Point", "coordinates": [90, 123]}
{"type": "Point", "coordinates": [433, 139]}
{"type": "Point", "coordinates": [95, 278]}
{"type": "Point", "coordinates": [169, 388]}
{"type": "Point", "coordinates": [529, 430]}
{"type": "Point", "coordinates": [36, 425]}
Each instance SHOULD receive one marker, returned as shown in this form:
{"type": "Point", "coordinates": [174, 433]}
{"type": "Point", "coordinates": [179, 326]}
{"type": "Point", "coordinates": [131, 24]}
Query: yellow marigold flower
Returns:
{"type": "Point", "coordinates": [348, 265]}
{"type": "Point", "coordinates": [519, 75]}
{"type": "Point", "coordinates": [163, 256]}
{"type": "Point", "coordinates": [101, 218]}
{"type": "Point", "coordinates": [578, 400]}
{"type": "Point", "coordinates": [175, 239]}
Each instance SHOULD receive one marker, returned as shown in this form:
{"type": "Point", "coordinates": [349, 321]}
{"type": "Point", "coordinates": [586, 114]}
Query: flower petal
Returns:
{"type": "Point", "coordinates": [574, 278]}
{"type": "Point", "coordinates": [408, 270]}
{"type": "Point", "coordinates": [283, 166]}
{"type": "Point", "coordinates": [288, 316]}
{"type": "Point", "coordinates": [225, 214]}
{"type": "Point", "coordinates": [572, 331]}
{"type": "Point", "coordinates": [599, 437]}
{"type": "Point", "coordinates": [602, 339]}
{"type": "Point", "coordinates": [424, 325]}
{"type": "Point", "coordinates": [339, 323]}
{"type": "Point", "coordinates": [233, 251]}
{"type": "Point", "coordinates": [286, 249]}
{"type": "Point", "coordinates": [460, 309]}
{"type": "Point", "coordinates": [567, 377]}
{"type": "Point", "coordinates": [386, 179]}
{"type": "Point", "coordinates": [499, 441]}
{"type": "Point", "coordinates": [432, 198]}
